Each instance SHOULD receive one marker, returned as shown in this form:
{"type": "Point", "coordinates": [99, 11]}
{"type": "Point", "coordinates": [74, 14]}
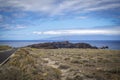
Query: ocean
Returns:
{"type": "Point", "coordinates": [112, 44]}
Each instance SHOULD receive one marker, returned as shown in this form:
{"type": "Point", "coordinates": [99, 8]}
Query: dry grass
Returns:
{"type": "Point", "coordinates": [4, 47]}
{"type": "Point", "coordinates": [63, 64]}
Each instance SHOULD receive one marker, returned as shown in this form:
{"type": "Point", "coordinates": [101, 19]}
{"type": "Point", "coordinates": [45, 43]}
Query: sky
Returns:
{"type": "Point", "coordinates": [50, 19]}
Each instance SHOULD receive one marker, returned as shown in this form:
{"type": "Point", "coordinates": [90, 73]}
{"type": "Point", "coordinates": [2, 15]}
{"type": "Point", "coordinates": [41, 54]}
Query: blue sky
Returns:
{"type": "Point", "coordinates": [46, 19]}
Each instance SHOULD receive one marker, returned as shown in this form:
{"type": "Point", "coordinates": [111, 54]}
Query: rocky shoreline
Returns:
{"type": "Point", "coordinates": [64, 44]}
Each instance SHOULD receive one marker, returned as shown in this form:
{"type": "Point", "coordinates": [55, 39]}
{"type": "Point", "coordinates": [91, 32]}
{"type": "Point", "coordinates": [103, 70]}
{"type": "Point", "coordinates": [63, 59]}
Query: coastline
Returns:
{"type": "Point", "coordinates": [112, 44]}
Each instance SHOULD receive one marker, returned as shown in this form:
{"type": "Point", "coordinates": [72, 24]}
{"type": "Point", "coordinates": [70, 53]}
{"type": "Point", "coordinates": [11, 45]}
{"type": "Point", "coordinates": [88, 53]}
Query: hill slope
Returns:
{"type": "Point", "coordinates": [62, 64]}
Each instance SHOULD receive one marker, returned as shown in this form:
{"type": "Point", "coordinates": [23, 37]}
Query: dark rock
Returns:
{"type": "Point", "coordinates": [104, 47]}
{"type": "Point", "coordinates": [63, 44]}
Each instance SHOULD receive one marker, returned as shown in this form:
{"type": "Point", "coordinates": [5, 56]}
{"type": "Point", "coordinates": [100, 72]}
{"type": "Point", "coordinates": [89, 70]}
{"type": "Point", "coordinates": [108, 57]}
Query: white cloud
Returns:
{"type": "Point", "coordinates": [80, 32]}
{"type": "Point", "coordinates": [12, 27]}
{"type": "Point", "coordinates": [56, 7]}
{"type": "Point", "coordinates": [37, 32]}
{"type": "Point", "coordinates": [19, 15]}
{"type": "Point", "coordinates": [103, 7]}
{"type": "Point", "coordinates": [20, 27]}
{"type": "Point", "coordinates": [31, 5]}
{"type": "Point", "coordinates": [81, 17]}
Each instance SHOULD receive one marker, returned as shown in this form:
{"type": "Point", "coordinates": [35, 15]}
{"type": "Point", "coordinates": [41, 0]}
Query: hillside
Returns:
{"type": "Point", "coordinates": [4, 47]}
{"type": "Point", "coordinates": [62, 64]}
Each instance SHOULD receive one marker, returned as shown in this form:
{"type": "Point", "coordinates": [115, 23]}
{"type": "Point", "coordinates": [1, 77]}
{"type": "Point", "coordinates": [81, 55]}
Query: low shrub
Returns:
{"type": "Point", "coordinates": [64, 66]}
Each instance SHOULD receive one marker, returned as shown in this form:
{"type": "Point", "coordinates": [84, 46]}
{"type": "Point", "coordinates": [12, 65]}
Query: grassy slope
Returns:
{"type": "Point", "coordinates": [62, 64]}
{"type": "Point", "coordinates": [4, 47]}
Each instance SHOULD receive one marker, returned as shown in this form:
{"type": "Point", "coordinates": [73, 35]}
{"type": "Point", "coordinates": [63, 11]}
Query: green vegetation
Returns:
{"type": "Point", "coordinates": [62, 64]}
{"type": "Point", "coordinates": [4, 47]}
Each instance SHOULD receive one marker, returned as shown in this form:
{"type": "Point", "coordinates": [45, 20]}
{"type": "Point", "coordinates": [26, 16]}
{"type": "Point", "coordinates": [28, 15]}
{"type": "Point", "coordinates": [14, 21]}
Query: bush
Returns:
{"type": "Point", "coordinates": [64, 66]}
{"type": "Point", "coordinates": [76, 61]}
{"type": "Point", "coordinates": [13, 73]}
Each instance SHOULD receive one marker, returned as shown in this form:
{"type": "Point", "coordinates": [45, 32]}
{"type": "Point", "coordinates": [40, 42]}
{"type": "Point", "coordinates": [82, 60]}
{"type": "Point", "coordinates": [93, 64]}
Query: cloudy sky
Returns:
{"type": "Point", "coordinates": [46, 19]}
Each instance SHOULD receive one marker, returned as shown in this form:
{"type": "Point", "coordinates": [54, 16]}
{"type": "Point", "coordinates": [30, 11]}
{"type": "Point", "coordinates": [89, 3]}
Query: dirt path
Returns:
{"type": "Point", "coordinates": [53, 64]}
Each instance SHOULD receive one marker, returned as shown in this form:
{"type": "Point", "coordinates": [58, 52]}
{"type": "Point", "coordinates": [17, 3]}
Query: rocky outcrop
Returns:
{"type": "Point", "coordinates": [104, 47]}
{"type": "Point", "coordinates": [63, 44]}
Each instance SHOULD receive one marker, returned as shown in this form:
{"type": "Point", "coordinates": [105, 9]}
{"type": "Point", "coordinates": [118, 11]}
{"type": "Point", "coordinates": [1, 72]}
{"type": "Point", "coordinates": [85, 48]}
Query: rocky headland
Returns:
{"type": "Point", "coordinates": [63, 44]}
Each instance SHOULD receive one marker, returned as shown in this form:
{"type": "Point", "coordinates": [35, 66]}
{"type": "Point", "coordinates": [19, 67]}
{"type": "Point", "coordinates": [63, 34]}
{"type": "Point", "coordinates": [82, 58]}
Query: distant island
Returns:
{"type": "Point", "coordinates": [64, 44]}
